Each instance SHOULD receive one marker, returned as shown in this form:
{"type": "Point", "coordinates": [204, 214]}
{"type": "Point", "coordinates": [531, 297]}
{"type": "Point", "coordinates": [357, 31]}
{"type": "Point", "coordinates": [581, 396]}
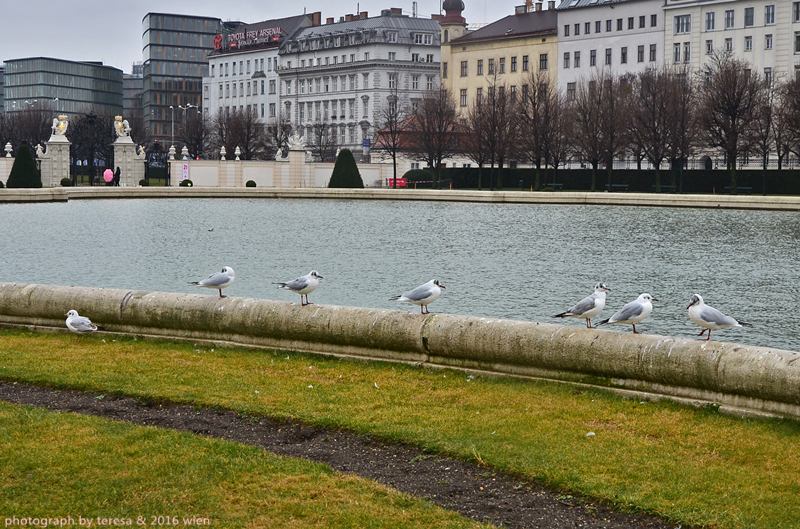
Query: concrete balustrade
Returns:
{"type": "Point", "coordinates": [740, 379]}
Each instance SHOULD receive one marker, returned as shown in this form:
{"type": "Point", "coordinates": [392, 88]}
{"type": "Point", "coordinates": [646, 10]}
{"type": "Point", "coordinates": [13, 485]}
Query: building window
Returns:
{"type": "Point", "coordinates": [769, 15]}
{"type": "Point", "coordinates": [796, 12]}
{"type": "Point", "coordinates": [577, 59]}
{"type": "Point", "coordinates": [608, 56]}
{"type": "Point", "coordinates": [429, 82]}
{"type": "Point", "coordinates": [593, 58]}
{"type": "Point", "coordinates": [271, 109]}
{"type": "Point", "coordinates": [797, 41]}
{"type": "Point", "coordinates": [768, 42]}
{"type": "Point", "coordinates": [428, 39]}
{"type": "Point", "coordinates": [748, 43]}
{"type": "Point", "coordinates": [709, 47]}
{"type": "Point", "coordinates": [491, 66]}
{"type": "Point", "coordinates": [463, 97]}
{"type": "Point", "coordinates": [630, 22]}
{"type": "Point", "coordinates": [502, 65]}
{"type": "Point", "coordinates": [392, 36]}
{"type": "Point", "coordinates": [480, 66]}
{"type": "Point", "coordinates": [577, 29]}
{"type": "Point", "coordinates": [479, 95]}
{"type": "Point", "coordinates": [543, 61]}
{"type": "Point", "coordinates": [464, 68]}
{"type": "Point", "coordinates": [212, 70]}
{"type": "Point", "coordinates": [682, 24]}
{"type": "Point", "coordinates": [729, 19]}
{"type": "Point", "coordinates": [571, 91]}
{"type": "Point", "coordinates": [619, 24]}
{"type": "Point", "coordinates": [748, 16]}
{"type": "Point", "coordinates": [525, 63]}
{"type": "Point", "coordinates": [288, 87]}
{"type": "Point", "coordinates": [676, 52]}
{"type": "Point", "coordinates": [608, 25]}
{"type": "Point", "coordinates": [640, 53]}
{"type": "Point", "coordinates": [392, 55]}
{"type": "Point", "coordinates": [710, 21]}
{"type": "Point", "coordinates": [687, 51]}
{"type": "Point", "coordinates": [444, 71]}
{"type": "Point", "coordinates": [366, 55]}
{"type": "Point", "coordinates": [623, 56]}
{"type": "Point", "coordinates": [418, 38]}
{"type": "Point", "coordinates": [597, 27]}
{"type": "Point", "coordinates": [728, 44]}
{"type": "Point", "coordinates": [566, 59]}
{"type": "Point", "coordinates": [415, 57]}
{"type": "Point", "coordinates": [513, 64]}
{"type": "Point", "coordinates": [768, 76]}
{"type": "Point", "coordinates": [392, 80]}
{"type": "Point", "coordinates": [652, 53]}
{"type": "Point", "coordinates": [566, 30]}
{"type": "Point", "coordinates": [587, 28]}
{"type": "Point", "coordinates": [653, 21]}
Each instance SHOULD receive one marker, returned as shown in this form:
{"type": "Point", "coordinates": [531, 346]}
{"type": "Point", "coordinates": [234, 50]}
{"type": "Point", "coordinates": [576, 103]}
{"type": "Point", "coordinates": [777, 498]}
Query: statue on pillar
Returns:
{"type": "Point", "coordinates": [121, 127]}
{"type": "Point", "coordinates": [60, 125]}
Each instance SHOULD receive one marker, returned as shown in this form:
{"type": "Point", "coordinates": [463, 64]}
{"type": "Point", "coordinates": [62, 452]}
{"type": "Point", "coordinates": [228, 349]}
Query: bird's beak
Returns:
{"type": "Point", "coordinates": [690, 305]}
{"type": "Point", "coordinates": [653, 299]}
{"type": "Point", "coordinates": [64, 314]}
{"type": "Point", "coordinates": [608, 288]}
{"type": "Point", "coordinates": [441, 286]}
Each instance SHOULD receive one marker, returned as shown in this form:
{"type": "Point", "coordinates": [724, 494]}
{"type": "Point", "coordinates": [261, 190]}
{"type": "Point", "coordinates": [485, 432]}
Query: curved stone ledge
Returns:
{"type": "Point", "coordinates": [740, 379]}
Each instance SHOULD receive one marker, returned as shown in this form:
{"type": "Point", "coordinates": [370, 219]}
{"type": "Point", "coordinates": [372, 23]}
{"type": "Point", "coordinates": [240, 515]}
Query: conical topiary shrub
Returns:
{"type": "Point", "coordinates": [345, 172]}
{"type": "Point", "coordinates": [24, 173]}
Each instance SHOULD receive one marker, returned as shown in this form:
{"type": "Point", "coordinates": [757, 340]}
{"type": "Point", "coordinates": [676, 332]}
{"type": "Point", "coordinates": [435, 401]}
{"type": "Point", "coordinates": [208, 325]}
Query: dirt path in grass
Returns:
{"type": "Point", "coordinates": [473, 491]}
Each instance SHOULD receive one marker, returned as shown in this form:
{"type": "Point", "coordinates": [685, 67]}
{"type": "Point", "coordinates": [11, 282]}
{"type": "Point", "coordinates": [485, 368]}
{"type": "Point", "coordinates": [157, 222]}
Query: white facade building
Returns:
{"type": "Point", "coordinates": [622, 36]}
{"type": "Point", "coordinates": [338, 77]}
{"type": "Point", "coordinates": [243, 70]}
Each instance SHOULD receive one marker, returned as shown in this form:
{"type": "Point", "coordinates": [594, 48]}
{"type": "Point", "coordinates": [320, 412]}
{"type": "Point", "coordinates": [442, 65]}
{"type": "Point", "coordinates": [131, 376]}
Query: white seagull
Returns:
{"type": "Point", "coordinates": [633, 313]}
{"type": "Point", "coordinates": [588, 307]}
{"type": "Point", "coordinates": [710, 318]}
{"type": "Point", "coordinates": [422, 295]}
{"type": "Point", "coordinates": [303, 285]}
{"type": "Point", "coordinates": [79, 324]}
{"type": "Point", "coordinates": [218, 280]}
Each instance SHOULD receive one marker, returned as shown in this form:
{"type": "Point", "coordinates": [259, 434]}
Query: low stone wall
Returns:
{"type": "Point", "coordinates": [740, 379]}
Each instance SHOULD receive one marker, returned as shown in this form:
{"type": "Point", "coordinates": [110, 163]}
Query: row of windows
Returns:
{"type": "Point", "coordinates": [254, 91]}
{"type": "Point", "coordinates": [258, 65]}
{"type": "Point", "coordinates": [337, 108]}
{"type": "Point", "coordinates": [171, 38]}
{"type": "Point", "coordinates": [574, 60]}
{"type": "Point", "coordinates": [63, 80]}
{"type": "Point", "coordinates": [748, 45]}
{"type": "Point", "coordinates": [587, 26]}
{"type": "Point", "coordinates": [311, 133]}
{"type": "Point", "coordinates": [330, 84]}
{"type": "Point", "coordinates": [181, 23]}
{"type": "Point", "coordinates": [683, 23]}
{"type": "Point", "coordinates": [490, 92]}
{"type": "Point", "coordinates": [391, 56]}
{"type": "Point", "coordinates": [498, 66]}
{"type": "Point", "coordinates": [176, 69]}
{"type": "Point", "coordinates": [63, 67]}
{"type": "Point", "coordinates": [170, 53]}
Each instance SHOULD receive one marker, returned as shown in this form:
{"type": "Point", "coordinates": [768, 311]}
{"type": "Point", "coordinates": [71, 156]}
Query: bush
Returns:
{"type": "Point", "coordinates": [418, 175]}
{"type": "Point", "coordinates": [66, 182]}
{"type": "Point", "coordinates": [250, 183]}
{"type": "Point", "coordinates": [2, 185]}
{"type": "Point", "coordinates": [345, 172]}
{"type": "Point", "coordinates": [24, 173]}
{"type": "Point", "coordinates": [186, 183]}
{"type": "Point", "coordinates": [144, 182]}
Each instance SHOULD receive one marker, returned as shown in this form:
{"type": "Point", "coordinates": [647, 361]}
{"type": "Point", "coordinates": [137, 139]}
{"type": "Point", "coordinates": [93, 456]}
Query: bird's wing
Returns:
{"type": "Point", "coordinates": [215, 280]}
{"type": "Point", "coordinates": [83, 324]}
{"type": "Point", "coordinates": [631, 310]}
{"type": "Point", "coordinates": [419, 293]}
{"type": "Point", "coordinates": [584, 305]}
{"type": "Point", "coordinates": [712, 315]}
{"type": "Point", "coordinates": [298, 284]}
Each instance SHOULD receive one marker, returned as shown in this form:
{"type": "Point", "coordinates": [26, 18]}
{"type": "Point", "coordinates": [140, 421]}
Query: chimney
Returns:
{"type": "Point", "coordinates": [538, 6]}
{"type": "Point", "coordinates": [363, 14]}
{"type": "Point", "coordinates": [348, 18]}
{"type": "Point", "coordinates": [397, 11]}
{"type": "Point", "coordinates": [329, 20]}
{"type": "Point", "coordinates": [316, 18]}
{"type": "Point", "coordinates": [437, 16]}
{"type": "Point", "coordinates": [551, 4]}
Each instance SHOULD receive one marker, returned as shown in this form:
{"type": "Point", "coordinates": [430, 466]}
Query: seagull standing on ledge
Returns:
{"type": "Point", "coordinates": [422, 295]}
{"type": "Point", "coordinates": [79, 324]}
{"type": "Point", "coordinates": [710, 318]}
{"type": "Point", "coordinates": [303, 285]}
{"type": "Point", "coordinates": [588, 307]}
{"type": "Point", "coordinates": [217, 281]}
{"type": "Point", "coordinates": [632, 313]}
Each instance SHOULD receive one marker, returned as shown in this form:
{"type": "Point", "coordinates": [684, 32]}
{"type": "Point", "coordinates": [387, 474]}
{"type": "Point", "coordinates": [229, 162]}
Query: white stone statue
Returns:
{"type": "Point", "coordinates": [296, 142]}
{"type": "Point", "coordinates": [121, 126]}
{"type": "Point", "coordinates": [140, 152]}
{"type": "Point", "coordinates": [60, 125]}
{"type": "Point", "coordinates": [39, 151]}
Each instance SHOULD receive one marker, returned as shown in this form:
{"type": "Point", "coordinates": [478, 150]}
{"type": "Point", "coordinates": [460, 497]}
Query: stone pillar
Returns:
{"type": "Point", "coordinates": [131, 164]}
{"type": "Point", "coordinates": [297, 165]}
{"type": "Point", "coordinates": [55, 160]}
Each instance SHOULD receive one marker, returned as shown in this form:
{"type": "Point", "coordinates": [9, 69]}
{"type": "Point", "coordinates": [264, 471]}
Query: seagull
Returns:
{"type": "Point", "coordinates": [218, 281]}
{"type": "Point", "coordinates": [422, 295]}
{"type": "Point", "coordinates": [588, 307]}
{"type": "Point", "coordinates": [633, 313]}
{"type": "Point", "coordinates": [710, 318]}
{"type": "Point", "coordinates": [80, 324]}
{"type": "Point", "coordinates": [303, 285]}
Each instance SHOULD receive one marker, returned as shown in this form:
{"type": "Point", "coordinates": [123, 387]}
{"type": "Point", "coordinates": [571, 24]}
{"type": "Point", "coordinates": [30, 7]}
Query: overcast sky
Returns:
{"type": "Point", "coordinates": [111, 31]}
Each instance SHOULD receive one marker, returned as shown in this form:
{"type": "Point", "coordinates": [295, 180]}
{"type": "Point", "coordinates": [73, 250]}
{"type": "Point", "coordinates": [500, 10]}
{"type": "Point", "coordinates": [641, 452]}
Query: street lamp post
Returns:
{"type": "Point", "coordinates": [183, 119]}
{"type": "Point", "coordinates": [172, 125]}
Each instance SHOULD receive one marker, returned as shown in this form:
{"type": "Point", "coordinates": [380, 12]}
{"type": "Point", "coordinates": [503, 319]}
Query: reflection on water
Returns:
{"type": "Point", "coordinates": [523, 262]}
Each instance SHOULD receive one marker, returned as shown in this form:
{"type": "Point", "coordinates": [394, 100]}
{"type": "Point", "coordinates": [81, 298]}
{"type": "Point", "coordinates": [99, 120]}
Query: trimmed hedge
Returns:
{"type": "Point", "coordinates": [24, 173]}
{"type": "Point", "coordinates": [345, 172]}
{"type": "Point", "coordinates": [250, 183]}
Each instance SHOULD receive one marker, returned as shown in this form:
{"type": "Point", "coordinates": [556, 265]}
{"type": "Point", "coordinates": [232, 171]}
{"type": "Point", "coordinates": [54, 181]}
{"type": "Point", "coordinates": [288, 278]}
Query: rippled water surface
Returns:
{"type": "Point", "coordinates": [524, 262]}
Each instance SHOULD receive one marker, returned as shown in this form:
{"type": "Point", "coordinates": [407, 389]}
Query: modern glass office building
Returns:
{"type": "Point", "coordinates": [175, 49]}
{"type": "Point", "coordinates": [64, 86]}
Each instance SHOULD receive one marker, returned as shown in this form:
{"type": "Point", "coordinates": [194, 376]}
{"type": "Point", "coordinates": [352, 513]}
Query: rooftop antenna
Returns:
{"type": "Point", "coordinates": [414, 9]}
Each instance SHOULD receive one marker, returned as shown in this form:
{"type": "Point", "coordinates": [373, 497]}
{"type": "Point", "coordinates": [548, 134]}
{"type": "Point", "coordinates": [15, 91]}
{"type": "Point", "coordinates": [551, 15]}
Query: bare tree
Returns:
{"type": "Point", "coordinates": [587, 138]}
{"type": "Point", "coordinates": [651, 117]}
{"type": "Point", "coordinates": [729, 98]}
{"type": "Point", "coordinates": [433, 134]}
{"type": "Point", "coordinates": [501, 126]}
{"type": "Point", "coordinates": [534, 120]}
{"type": "Point", "coordinates": [613, 118]}
{"type": "Point", "coordinates": [684, 119]}
{"type": "Point", "coordinates": [782, 118]}
{"type": "Point", "coordinates": [558, 145]}
{"type": "Point", "coordinates": [324, 141]}
{"type": "Point", "coordinates": [242, 129]}
{"type": "Point", "coordinates": [196, 134]}
{"type": "Point", "coordinates": [391, 120]}
{"type": "Point", "coordinates": [763, 130]}
{"type": "Point", "coordinates": [278, 132]}
{"type": "Point", "coordinates": [474, 144]}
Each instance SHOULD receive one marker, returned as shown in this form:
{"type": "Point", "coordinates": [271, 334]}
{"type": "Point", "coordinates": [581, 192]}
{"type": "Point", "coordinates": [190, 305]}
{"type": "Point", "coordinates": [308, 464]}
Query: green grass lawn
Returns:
{"type": "Point", "coordinates": [692, 466]}
{"type": "Point", "coordinates": [57, 465]}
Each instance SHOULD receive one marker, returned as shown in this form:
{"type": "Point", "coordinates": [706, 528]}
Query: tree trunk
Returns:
{"type": "Point", "coordinates": [594, 176]}
{"type": "Point", "coordinates": [537, 184]}
{"type": "Point", "coordinates": [658, 178]}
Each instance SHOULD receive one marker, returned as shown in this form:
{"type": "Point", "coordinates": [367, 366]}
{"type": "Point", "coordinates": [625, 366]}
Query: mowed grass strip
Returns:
{"type": "Point", "coordinates": [692, 466]}
{"type": "Point", "coordinates": [60, 465]}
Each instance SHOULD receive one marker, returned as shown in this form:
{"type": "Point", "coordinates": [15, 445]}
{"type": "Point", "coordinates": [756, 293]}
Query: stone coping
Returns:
{"type": "Point", "coordinates": [740, 379]}
{"type": "Point", "coordinates": [62, 194]}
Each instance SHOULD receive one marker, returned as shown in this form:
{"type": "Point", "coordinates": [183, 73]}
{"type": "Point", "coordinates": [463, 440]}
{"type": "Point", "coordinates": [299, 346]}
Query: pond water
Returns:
{"type": "Point", "coordinates": [524, 262]}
